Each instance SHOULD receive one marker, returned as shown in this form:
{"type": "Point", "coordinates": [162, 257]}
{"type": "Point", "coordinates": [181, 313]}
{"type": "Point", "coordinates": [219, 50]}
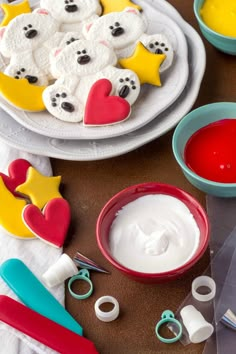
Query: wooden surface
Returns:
{"type": "Point", "coordinates": [89, 185]}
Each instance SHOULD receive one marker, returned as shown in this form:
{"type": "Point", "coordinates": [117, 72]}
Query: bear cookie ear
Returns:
{"type": "Point", "coordinates": [56, 51]}
{"type": "Point", "coordinates": [41, 11]}
{"type": "Point", "coordinates": [2, 31]}
{"type": "Point", "coordinates": [132, 10]}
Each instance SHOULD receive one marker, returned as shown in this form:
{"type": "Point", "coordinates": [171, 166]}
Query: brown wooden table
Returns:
{"type": "Point", "coordinates": [89, 185]}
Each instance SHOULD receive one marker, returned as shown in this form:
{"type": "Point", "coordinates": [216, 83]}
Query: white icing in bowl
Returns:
{"type": "Point", "coordinates": [154, 234]}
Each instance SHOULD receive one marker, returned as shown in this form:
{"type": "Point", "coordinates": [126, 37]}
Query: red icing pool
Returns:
{"type": "Point", "coordinates": [211, 151]}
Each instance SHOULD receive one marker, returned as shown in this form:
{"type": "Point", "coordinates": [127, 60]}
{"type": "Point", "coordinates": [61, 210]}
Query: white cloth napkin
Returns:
{"type": "Point", "coordinates": [36, 254]}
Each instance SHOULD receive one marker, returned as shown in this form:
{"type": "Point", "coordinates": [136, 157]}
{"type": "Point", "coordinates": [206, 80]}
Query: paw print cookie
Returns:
{"type": "Point", "coordinates": [61, 103]}
{"type": "Point", "coordinates": [159, 44]}
{"type": "Point", "coordinates": [127, 87]}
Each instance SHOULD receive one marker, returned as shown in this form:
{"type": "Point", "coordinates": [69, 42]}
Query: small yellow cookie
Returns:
{"type": "Point", "coordinates": [13, 10]}
{"type": "Point", "coordinates": [21, 94]}
{"type": "Point", "coordinates": [117, 5]}
{"type": "Point", "coordinates": [145, 64]}
{"type": "Point", "coordinates": [10, 213]}
{"type": "Point", "coordinates": [39, 188]}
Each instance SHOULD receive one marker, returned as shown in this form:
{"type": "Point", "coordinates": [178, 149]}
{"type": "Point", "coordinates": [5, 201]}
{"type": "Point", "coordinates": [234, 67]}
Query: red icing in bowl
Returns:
{"type": "Point", "coordinates": [211, 151]}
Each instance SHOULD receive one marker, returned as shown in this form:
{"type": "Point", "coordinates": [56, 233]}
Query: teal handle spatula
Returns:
{"type": "Point", "coordinates": [34, 294]}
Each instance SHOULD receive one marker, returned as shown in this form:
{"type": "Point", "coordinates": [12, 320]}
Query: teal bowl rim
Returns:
{"type": "Point", "coordinates": [202, 23]}
{"type": "Point", "coordinates": [180, 159]}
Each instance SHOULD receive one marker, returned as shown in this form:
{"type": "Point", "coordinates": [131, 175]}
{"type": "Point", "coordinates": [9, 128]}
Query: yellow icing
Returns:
{"type": "Point", "coordinates": [13, 10]}
{"type": "Point", "coordinates": [10, 213]}
{"type": "Point", "coordinates": [21, 94]}
{"type": "Point", "coordinates": [220, 16]}
{"type": "Point", "coordinates": [117, 5]}
{"type": "Point", "coordinates": [39, 188]}
{"type": "Point", "coordinates": [145, 64]}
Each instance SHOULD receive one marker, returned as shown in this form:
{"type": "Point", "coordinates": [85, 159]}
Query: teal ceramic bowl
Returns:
{"type": "Point", "coordinates": [223, 43]}
{"type": "Point", "coordinates": [192, 122]}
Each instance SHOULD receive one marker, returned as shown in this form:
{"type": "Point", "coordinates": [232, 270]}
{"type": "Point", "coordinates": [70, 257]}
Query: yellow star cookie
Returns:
{"type": "Point", "coordinates": [10, 213]}
{"type": "Point", "coordinates": [11, 11]}
{"type": "Point", "coordinates": [117, 5]}
{"type": "Point", "coordinates": [22, 94]}
{"type": "Point", "coordinates": [39, 188]}
{"type": "Point", "coordinates": [145, 64]}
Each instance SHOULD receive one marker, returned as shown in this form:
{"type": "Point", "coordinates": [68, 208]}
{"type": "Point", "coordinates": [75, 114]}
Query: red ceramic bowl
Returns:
{"type": "Point", "coordinates": [129, 194]}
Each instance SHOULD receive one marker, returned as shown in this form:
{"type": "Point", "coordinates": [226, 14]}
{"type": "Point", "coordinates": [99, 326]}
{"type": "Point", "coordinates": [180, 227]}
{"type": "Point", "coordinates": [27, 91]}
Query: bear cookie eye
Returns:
{"type": "Point", "coordinates": [29, 31]}
{"type": "Point", "coordinates": [70, 6]}
{"type": "Point", "coordinates": [116, 29]}
{"type": "Point", "coordinates": [83, 57]}
{"type": "Point", "coordinates": [71, 40]}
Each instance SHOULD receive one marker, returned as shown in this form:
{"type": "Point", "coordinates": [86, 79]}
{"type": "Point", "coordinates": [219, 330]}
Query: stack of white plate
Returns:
{"type": "Point", "coordinates": [157, 110]}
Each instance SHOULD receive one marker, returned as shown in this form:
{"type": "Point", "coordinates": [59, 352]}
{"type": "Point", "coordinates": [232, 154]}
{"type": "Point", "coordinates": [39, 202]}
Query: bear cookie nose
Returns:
{"type": "Point", "coordinates": [68, 107]}
{"type": "Point", "coordinates": [31, 33]}
{"type": "Point", "coordinates": [124, 91]}
{"type": "Point", "coordinates": [116, 32]}
{"type": "Point", "coordinates": [71, 8]}
{"type": "Point", "coordinates": [84, 59]}
{"type": "Point", "coordinates": [31, 79]}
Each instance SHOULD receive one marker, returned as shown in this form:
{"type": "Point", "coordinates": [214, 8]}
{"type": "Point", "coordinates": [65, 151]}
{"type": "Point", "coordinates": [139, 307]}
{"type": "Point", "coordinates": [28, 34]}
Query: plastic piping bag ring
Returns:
{"type": "Point", "coordinates": [168, 317]}
{"type": "Point", "coordinates": [107, 316]}
{"type": "Point", "coordinates": [82, 275]}
{"type": "Point", "coordinates": [206, 282]}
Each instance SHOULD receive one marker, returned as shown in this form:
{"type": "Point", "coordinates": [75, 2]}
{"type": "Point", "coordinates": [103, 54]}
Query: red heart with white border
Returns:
{"type": "Point", "coordinates": [52, 224]}
{"type": "Point", "coordinates": [102, 109]}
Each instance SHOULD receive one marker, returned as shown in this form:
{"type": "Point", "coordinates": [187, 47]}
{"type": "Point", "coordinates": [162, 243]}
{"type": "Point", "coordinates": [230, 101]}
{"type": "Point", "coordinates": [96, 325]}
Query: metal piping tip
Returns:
{"type": "Point", "coordinates": [84, 262]}
{"type": "Point", "coordinates": [229, 319]}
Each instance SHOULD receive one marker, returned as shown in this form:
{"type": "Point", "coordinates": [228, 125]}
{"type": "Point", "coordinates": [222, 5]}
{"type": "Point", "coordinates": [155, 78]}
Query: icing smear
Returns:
{"type": "Point", "coordinates": [153, 234]}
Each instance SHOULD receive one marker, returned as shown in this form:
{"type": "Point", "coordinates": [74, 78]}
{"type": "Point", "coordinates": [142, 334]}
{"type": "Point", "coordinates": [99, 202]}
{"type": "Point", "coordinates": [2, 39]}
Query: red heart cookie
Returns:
{"type": "Point", "coordinates": [102, 109]}
{"type": "Point", "coordinates": [17, 171]}
{"type": "Point", "coordinates": [51, 225]}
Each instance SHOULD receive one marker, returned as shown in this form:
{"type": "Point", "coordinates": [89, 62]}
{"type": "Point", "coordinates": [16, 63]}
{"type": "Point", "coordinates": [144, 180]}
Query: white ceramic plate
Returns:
{"type": "Point", "coordinates": [19, 137]}
{"type": "Point", "coordinates": [151, 101]}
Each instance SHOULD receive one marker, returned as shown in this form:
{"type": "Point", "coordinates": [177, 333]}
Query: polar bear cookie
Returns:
{"type": "Point", "coordinates": [27, 41]}
{"type": "Point", "coordinates": [78, 67]}
{"type": "Point", "coordinates": [124, 30]}
{"type": "Point", "coordinates": [71, 14]}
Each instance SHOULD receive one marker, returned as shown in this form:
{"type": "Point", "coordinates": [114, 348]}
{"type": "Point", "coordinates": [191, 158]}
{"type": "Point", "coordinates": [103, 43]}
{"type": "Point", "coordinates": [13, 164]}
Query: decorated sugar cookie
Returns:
{"type": "Point", "coordinates": [17, 172]}
{"type": "Point", "coordinates": [12, 10]}
{"type": "Point", "coordinates": [79, 66]}
{"type": "Point", "coordinates": [20, 94]}
{"type": "Point", "coordinates": [72, 14]}
{"type": "Point", "coordinates": [39, 188]}
{"type": "Point", "coordinates": [52, 224]}
{"type": "Point", "coordinates": [27, 42]}
{"type": "Point", "coordinates": [10, 214]}
{"type": "Point", "coordinates": [124, 30]}
{"type": "Point", "coordinates": [117, 5]}
{"type": "Point", "coordinates": [103, 109]}
{"type": "Point", "coordinates": [147, 74]}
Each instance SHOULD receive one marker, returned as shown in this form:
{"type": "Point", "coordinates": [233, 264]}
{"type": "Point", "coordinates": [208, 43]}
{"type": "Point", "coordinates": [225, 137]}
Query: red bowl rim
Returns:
{"type": "Point", "coordinates": [174, 272]}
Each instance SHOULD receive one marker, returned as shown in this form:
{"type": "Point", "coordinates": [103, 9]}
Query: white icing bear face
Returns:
{"type": "Point", "coordinates": [27, 32]}
{"type": "Point", "coordinates": [71, 11]}
{"type": "Point", "coordinates": [121, 29]}
{"type": "Point", "coordinates": [82, 58]}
